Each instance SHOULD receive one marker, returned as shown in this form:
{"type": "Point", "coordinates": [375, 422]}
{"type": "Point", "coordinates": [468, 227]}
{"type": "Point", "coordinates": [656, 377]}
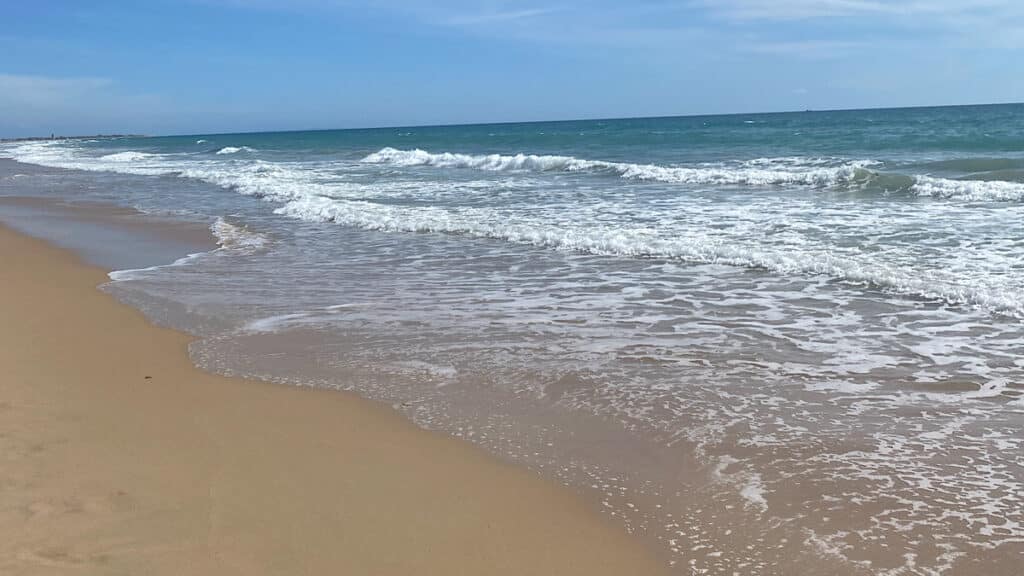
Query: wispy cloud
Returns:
{"type": "Point", "coordinates": [994, 23]}
{"type": "Point", "coordinates": [827, 29]}
{"type": "Point", "coordinates": [792, 9]}
{"type": "Point", "coordinates": [813, 9]}
{"type": "Point", "coordinates": [810, 30]}
{"type": "Point", "coordinates": [499, 16]}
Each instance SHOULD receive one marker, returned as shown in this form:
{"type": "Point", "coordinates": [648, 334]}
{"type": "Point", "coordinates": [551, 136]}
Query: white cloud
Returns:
{"type": "Point", "coordinates": [665, 23]}
{"type": "Point", "coordinates": [791, 9]}
{"type": "Point", "coordinates": [490, 17]}
{"type": "Point", "coordinates": [778, 10]}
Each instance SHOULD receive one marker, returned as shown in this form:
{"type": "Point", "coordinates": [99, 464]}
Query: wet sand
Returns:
{"type": "Point", "coordinates": [120, 457]}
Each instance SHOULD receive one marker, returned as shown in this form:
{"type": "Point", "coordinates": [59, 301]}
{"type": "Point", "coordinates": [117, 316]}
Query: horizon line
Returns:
{"type": "Point", "coordinates": [509, 122]}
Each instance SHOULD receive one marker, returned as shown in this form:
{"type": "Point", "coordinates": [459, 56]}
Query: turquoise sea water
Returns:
{"type": "Point", "coordinates": [807, 323]}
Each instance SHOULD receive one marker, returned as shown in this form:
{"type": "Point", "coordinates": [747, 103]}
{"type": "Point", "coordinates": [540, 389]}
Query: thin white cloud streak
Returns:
{"type": "Point", "coordinates": [814, 30]}
{"type": "Point", "coordinates": [498, 17]}
{"type": "Point", "coordinates": [854, 25]}
{"type": "Point", "coordinates": [991, 23]}
{"type": "Point", "coordinates": [780, 10]}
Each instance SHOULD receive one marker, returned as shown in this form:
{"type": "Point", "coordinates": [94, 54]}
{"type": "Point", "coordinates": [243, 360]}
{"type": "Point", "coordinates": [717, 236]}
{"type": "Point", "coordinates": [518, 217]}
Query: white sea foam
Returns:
{"type": "Point", "coordinates": [790, 171]}
{"type": "Point", "coordinates": [749, 174]}
{"type": "Point", "coordinates": [233, 237]}
{"type": "Point", "coordinates": [273, 323]}
{"type": "Point", "coordinates": [704, 248]}
{"type": "Point", "coordinates": [971, 190]}
{"type": "Point", "coordinates": [133, 273]}
{"type": "Point", "coordinates": [841, 386]}
{"type": "Point", "coordinates": [57, 155]}
{"type": "Point", "coordinates": [304, 192]}
{"type": "Point", "coordinates": [815, 172]}
{"type": "Point", "coordinates": [201, 141]}
{"type": "Point", "coordinates": [229, 238]}
{"type": "Point", "coordinates": [234, 149]}
{"type": "Point", "coordinates": [751, 486]}
{"type": "Point", "coordinates": [753, 492]}
{"type": "Point", "coordinates": [126, 156]}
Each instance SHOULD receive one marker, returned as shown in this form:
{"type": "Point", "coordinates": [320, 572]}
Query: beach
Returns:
{"type": "Point", "coordinates": [328, 287]}
{"type": "Point", "coordinates": [780, 343]}
{"type": "Point", "coordinates": [120, 457]}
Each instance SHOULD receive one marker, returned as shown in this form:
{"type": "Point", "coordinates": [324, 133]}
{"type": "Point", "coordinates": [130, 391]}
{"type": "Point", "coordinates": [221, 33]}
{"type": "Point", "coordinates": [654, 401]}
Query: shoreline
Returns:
{"type": "Point", "coordinates": [122, 457]}
{"type": "Point", "coordinates": [58, 137]}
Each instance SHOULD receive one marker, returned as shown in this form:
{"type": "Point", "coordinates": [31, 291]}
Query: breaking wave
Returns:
{"type": "Point", "coordinates": [126, 157]}
{"type": "Point", "coordinates": [699, 248]}
{"type": "Point", "coordinates": [820, 173]}
{"type": "Point", "coordinates": [301, 191]}
{"type": "Point", "coordinates": [234, 150]}
{"type": "Point", "coordinates": [970, 190]}
{"type": "Point", "coordinates": [750, 173]}
{"type": "Point", "coordinates": [230, 237]}
{"type": "Point", "coordinates": [239, 238]}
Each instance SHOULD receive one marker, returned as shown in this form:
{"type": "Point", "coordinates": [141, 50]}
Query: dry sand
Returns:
{"type": "Point", "coordinates": [117, 456]}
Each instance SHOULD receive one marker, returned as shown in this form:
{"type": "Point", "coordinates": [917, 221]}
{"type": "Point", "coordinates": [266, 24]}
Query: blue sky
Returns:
{"type": "Point", "coordinates": [195, 66]}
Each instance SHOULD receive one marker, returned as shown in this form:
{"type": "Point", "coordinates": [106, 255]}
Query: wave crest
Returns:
{"type": "Point", "coordinates": [237, 238]}
{"type": "Point", "coordinates": [750, 173]}
{"type": "Point", "coordinates": [129, 156]}
{"type": "Point", "coordinates": [812, 172]}
{"type": "Point", "coordinates": [234, 150]}
{"type": "Point", "coordinates": [698, 248]}
{"type": "Point", "coordinates": [970, 190]}
{"type": "Point", "coordinates": [303, 192]}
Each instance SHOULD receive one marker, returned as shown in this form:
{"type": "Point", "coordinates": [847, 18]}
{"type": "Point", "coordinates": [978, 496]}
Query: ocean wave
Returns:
{"type": "Point", "coordinates": [698, 248]}
{"type": "Point", "coordinates": [237, 238]}
{"type": "Point", "coordinates": [970, 190]}
{"type": "Point", "coordinates": [796, 171]}
{"type": "Point", "coordinates": [129, 156]}
{"type": "Point", "coordinates": [55, 155]}
{"type": "Point", "coordinates": [230, 238]}
{"type": "Point", "coordinates": [304, 193]}
{"type": "Point", "coordinates": [749, 174]}
{"type": "Point", "coordinates": [234, 150]}
{"type": "Point", "coordinates": [135, 273]}
{"type": "Point", "coordinates": [819, 173]}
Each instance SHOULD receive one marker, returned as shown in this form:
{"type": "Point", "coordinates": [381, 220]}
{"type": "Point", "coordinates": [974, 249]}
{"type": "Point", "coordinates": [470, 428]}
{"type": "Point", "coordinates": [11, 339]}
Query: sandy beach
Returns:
{"type": "Point", "coordinates": [120, 457]}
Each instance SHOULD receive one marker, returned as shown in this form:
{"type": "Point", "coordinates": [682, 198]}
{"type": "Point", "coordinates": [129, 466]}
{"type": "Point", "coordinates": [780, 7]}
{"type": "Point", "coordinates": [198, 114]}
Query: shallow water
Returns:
{"type": "Point", "coordinates": [771, 343]}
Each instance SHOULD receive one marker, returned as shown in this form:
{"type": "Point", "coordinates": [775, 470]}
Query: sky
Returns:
{"type": "Point", "coordinates": [206, 66]}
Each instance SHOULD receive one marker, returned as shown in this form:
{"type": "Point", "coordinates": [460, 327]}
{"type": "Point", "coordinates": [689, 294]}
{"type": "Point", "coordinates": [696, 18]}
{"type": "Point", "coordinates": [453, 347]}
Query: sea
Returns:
{"type": "Point", "coordinates": [787, 343]}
